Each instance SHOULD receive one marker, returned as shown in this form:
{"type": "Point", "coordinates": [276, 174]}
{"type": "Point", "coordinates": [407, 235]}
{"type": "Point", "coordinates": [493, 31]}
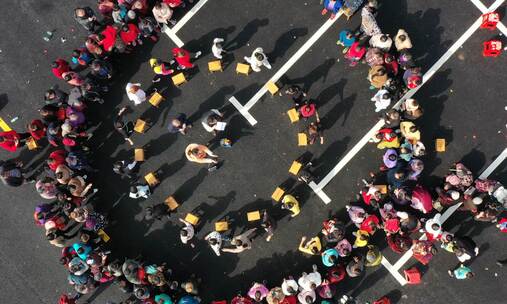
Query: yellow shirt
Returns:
{"type": "Point", "coordinates": [359, 242]}
{"type": "Point", "coordinates": [313, 243]}
{"type": "Point", "coordinates": [295, 210]}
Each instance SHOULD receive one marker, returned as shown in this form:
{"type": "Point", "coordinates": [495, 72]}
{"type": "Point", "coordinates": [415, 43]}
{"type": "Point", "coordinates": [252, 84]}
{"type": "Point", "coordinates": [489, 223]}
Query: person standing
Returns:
{"type": "Point", "coordinates": [135, 93]}
{"type": "Point", "coordinates": [258, 59]}
{"type": "Point", "coordinates": [11, 173]}
{"type": "Point", "coordinates": [214, 239]}
{"type": "Point", "coordinates": [86, 17]}
{"type": "Point", "coordinates": [461, 273]}
{"type": "Point", "coordinates": [217, 48]}
{"type": "Point", "coordinates": [125, 128]}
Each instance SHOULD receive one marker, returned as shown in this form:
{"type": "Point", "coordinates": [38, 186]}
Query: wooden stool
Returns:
{"type": "Point", "coordinates": [293, 115]}
{"type": "Point", "coordinates": [242, 68]}
{"type": "Point", "coordinates": [440, 145]}
{"type": "Point", "coordinates": [277, 195]}
{"type": "Point", "coordinates": [253, 216]}
{"type": "Point", "coordinates": [156, 99]}
{"type": "Point", "coordinates": [171, 203]}
{"type": "Point", "coordinates": [151, 179]}
{"type": "Point", "coordinates": [192, 219]}
{"type": "Point", "coordinates": [215, 66]}
{"type": "Point", "coordinates": [139, 155]}
{"type": "Point", "coordinates": [381, 188]}
{"type": "Point", "coordinates": [103, 235]}
{"type": "Point", "coordinates": [179, 79]}
{"type": "Point", "coordinates": [221, 226]}
{"type": "Point", "coordinates": [31, 143]}
{"type": "Point", "coordinates": [295, 167]}
{"type": "Point", "coordinates": [272, 88]}
{"type": "Point", "coordinates": [140, 126]}
{"type": "Point", "coordinates": [302, 139]}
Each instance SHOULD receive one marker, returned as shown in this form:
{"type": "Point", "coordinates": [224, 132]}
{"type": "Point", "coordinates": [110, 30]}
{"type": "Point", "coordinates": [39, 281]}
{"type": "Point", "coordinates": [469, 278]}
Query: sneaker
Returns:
{"type": "Point", "coordinates": [197, 54]}
{"type": "Point", "coordinates": [449, 272]}
{"type": "Point", "coordinates": [156, 80]}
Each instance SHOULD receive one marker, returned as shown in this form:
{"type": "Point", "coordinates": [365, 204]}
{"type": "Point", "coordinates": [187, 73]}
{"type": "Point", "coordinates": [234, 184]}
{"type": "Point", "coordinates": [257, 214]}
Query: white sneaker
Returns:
{"type": "Point", "coordinates": [197, 54]}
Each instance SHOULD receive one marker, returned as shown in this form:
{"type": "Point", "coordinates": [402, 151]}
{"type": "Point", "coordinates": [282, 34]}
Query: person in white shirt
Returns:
{"type": "Point", "coordinates": [214, 239]}
{"type": "Point", "coordinates": [307, 296]}
{"type": "Point", "coordinates": [212, 121]}
{"type": "Point", "coordinates": [135, 93]}
{"type": "Point", "coordinates": [382, 100]}
{"type": "Point", "coordinates": [433, 226]}
{"type": "Point", "coordinates": [217, 48]}
{"type": "Point", "coordinates": [187, 232]}
{"type": "Point", "coordinates": [140, 191]}
{"type": "Point", "coordinates": [241, 242]}
{"type": "Point", "coordinates": [382, 42]}
{"type": "Point", "coordinates": [290, 287]}
{"type": "Point", "coordinates": [311, 280]}
{"type": "Point", "coordinates": [258, 59]}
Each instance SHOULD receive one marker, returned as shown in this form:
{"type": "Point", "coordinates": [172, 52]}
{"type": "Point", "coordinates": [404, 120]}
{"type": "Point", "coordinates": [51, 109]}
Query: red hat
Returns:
{"type": "Point", "coordinates": [307, 110]}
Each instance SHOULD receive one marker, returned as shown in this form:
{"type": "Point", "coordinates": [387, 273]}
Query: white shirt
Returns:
{"type": "Point", "coordinates": [190, 231]}
{"type": "Point", "coordinates": [142, 191]}
{"type": "Point", "coordinates": [255, 63]}
{"type": "Point", "coordinates": [383, 45]}
{"type": "Point", "coordinates": [137, 97]}
{"type": "Point", "coordinates": [305, 293]}
{"type": "Point", "coordinates": [381, 103]}
{"type": "Point", "coordinates": [217, 51]}
{"type": "Point", "coordinates": [430, 222]}
{"type": "Point", "coordinates": [204, 121]}
{"type": "Point", "coordinates": [306, 280]}
{"type": "Point", "coordinates": [289, 283]}
{"type": "Point", "coordinates": [215, 235]}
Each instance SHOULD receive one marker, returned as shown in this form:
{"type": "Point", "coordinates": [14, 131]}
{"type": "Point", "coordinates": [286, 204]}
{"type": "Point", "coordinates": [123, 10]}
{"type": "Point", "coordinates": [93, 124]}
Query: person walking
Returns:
{"type": "Point", "coordinates": [258, 59]}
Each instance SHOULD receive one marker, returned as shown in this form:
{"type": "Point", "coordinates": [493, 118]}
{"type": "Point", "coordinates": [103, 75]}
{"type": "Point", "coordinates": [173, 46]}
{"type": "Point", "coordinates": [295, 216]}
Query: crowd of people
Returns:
{"type": "Point", "coordinates": [402, 209]}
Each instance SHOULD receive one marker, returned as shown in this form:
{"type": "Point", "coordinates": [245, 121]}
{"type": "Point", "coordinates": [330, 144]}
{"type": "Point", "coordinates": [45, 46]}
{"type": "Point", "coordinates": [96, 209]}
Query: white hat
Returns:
{"type": "Point", "coordinates": [66, 128]}
{"type": "Point", "coordinates": [402, 215]}
{"type": "Point", "coordinates": [455, 195]}
{"type": "Point", "coordinates": [410, 105]}
{"type": "Point", "coordinates": [477, 200]}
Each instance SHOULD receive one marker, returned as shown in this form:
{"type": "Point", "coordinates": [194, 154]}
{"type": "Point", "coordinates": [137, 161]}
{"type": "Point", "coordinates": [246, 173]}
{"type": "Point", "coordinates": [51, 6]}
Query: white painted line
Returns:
{"type": "Point", "coordinates": [171, 32]}
{"type": "Point", "coordinates": [393, 271]}
{"type": "Point", "coordinates": [323, 196]}
{"type": "Point", "coordinates": [450, 211]}
{"type": "Point", "coordinates": [484, 10]}
{"type": "Point", "coordinates": [500, 159]}
{"type": "Point", "coordinates": [172, 36]}
{"type": "Point", "coordinates": [344, 161]}
{"type": "Point", "coordinates": [299, 53]}
{"type": "Point", "coordinates": [243, 111]}
{"type": "Point", "coordinates": [188, 15]}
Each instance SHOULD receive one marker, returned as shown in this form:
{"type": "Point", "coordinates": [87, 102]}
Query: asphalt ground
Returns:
{"type": "Point", "coordinates": [463, 103]}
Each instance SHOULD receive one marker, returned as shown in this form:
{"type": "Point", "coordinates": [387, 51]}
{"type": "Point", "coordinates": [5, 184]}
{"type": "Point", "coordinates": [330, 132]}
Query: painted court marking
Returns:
{"type": "Point", "coordinates": [318, 188]}
{"type": "Point", "coordinates": [171, 32]}
{"type": "Point", "coordinates": [299, 53]}
{"type": "Point", "coordinates": [500, 26]}
{"type": "Point", "coordinates": [394, 269]}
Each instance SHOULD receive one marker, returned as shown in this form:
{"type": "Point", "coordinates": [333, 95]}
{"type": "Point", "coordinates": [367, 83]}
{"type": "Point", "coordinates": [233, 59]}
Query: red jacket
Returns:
{"type": "Point", "coordinates": [109, 38]}
{"type": "Point", "coordinates": [131, 35]}
{"type": "Point", "coordinates": [59, 157]}
{"type": "Point", "coordinates": [63, 66]}
{"type": "Point", "coordinates": [182, 60]}
{"type": "Point", "coordinates": [41, 129]}
{"type": "Point", "coordinates": [9, 142]}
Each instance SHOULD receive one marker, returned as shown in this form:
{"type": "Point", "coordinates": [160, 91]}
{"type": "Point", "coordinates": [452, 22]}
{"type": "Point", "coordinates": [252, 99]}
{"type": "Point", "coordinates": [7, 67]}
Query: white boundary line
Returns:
{"type": "Point", "coordinates": [484, 10]}
{"type": "Point", "coordinates": [317, 188]}
{"type": "Point", "coordinates": [394, 269]}
{"type": "Point", "coordinates": [243, 111]}
{"type": "Point", "coordinates": [299, 53]}
{"type": "Point", "coordinates": [171, 32]}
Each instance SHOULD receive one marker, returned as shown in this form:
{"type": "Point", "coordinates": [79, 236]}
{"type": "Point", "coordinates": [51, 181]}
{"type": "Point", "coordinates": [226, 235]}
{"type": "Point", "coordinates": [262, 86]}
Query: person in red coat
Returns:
{"type": "Point", "coordinates": [59, 66]}
{"type": "Point", "coordinates": [107, 38]}
{"type": "Point", "coordinates": [11, 140]}
{"type": "Point", "coordinates": [130, 34]}
{"type": "Point", "coordinates": [183, 58]}
{"type": "Point", "coordinates": [37, 129]}
{"type": "Point", "coordinates": [55, 159]}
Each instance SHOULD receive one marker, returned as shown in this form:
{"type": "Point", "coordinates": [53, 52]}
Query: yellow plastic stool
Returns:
{"type": "Point", "coordinates": [179, 79]}
{"type": "Point", "coordinates": [215, 66]}
{"type": "Point", "coordinates": [156, 99]}
{"type": "Point", "coordinates": [192, 219]}
{"type": "Point", "coordinates": [381, 188]}
{"type": "Point", "coordinates": [440, 145]}
{"type": "Point", "coordinates": [31, 143]}
{"type": "Point", "coordinates": [139, 155]}
{"type": "Point", "coordinates": [151, 179]}
{"type": "Point", "coordinates": [277, 195]}
{"type": "Point", "coordinates": [242, 68]}
{"type": "Point", "coordinates": [295, 167]}
{"type": "Point", "coordinates": [171, 203]}
{"type": "Point", "coordinates": [272, 88]}
{"type": "Point", "coordinates": [140, 126]}
{"type": "Point", "coordinates": [103, 235]}
{"type": "Point", "coordinates": [253, 216]}
{"type": "Point", "coordinates": [293, 115]}
{"type": "Point", "coordinates": [302, 139]}
{"type": "Point", "coordinates": [221, 226]}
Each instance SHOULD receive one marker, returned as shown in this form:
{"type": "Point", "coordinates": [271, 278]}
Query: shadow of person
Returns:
{"type": "Point", "coordinates": [4, 100]}
{"type": "Point", "coordinates": [341, 108]}
{"type": "Point", "coordinates": [185, 191]}
{"type": "Point", "coordinates": [205, 42]}
{"type": "Point", "coordinates": [284, 42]}
{"type": "Point", "coordinates": [474, 160]}
{"type": "Point", "coordinates": [215, 101]}
{"type": "Point", "coordinates": [246, 34]}
{"type": "Point", "coordinates": [320, 72]}
{"type": "Point", "coordinates": [330, 156]}
{"type": "Point", "coordinates": [211, 211]}
{"type": "Point", "coordinates": [331, 92]}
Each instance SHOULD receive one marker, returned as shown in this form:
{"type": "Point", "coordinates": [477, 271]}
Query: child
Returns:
{"type": "Point", "coordinates": [346, 39]}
